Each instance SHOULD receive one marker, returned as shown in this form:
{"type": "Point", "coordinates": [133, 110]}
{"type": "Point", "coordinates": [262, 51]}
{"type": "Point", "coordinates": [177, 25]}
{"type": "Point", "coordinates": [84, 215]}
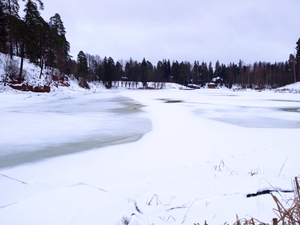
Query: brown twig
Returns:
{"type": "Point", "coordinates": [289, 215]}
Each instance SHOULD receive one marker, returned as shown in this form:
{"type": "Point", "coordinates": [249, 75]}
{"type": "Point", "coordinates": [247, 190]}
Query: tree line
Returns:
{"type": "Point", "coordinates": [45, 44]}
{"type": "Point", "coordinates": [256, 75]}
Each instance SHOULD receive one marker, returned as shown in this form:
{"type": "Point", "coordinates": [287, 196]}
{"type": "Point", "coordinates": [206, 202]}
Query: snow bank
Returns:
{"type": "Point", "coordinates": [291, 88]}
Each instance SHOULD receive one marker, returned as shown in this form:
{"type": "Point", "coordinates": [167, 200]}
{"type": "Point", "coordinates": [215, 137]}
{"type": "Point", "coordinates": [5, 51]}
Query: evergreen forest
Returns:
{"type": "Point", "coordinates": [44, 43]}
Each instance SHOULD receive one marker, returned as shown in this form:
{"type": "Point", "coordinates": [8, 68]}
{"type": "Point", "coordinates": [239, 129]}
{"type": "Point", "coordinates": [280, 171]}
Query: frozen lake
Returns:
{"type": "Point", "coordinates": [42, 126]}
{"type": "Point", "coordinates": [146, 157]}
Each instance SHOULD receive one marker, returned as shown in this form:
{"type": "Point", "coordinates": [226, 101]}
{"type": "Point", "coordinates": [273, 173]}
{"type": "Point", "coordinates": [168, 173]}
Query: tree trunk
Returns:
{"type": "Point", "coordinates": [17, 48]}
{"type": "Point", "coordinates": [10, 32]}
{"type": "Point", "coordinates": [52, 70]}
{"type": "Point", "coordinates": [22, 52]}
{"type": "Point", "coordinates": [42, 63]}
{"type": "Point", "coordinates": [248, 75]}
{"type": "Point", "coordinates": [299, 70]}
{"type": "Point", "coordinates": [242, 79]}
{"type": "Point", "coordinates": [294, 70]}
{"type": "Point", "coordinates": [22, 59]}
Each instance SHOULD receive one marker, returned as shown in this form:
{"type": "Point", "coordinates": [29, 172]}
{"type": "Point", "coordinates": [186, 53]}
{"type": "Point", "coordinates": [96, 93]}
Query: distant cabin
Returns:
{"type": "Point", "coordinates": [212, 85]}
{"type": "Point", "coordinates": [217, 80]}
{"type": "Point", "coordinates": [214, 82]}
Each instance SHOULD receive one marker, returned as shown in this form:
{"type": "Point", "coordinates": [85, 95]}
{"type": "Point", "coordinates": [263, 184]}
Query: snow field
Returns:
{"type": "Point", "coordinates": [196, 164]}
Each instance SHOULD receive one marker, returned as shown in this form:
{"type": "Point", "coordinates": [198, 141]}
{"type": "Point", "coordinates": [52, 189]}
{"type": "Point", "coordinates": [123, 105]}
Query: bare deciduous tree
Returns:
{"type": "Point", "coordinates": [10, 67]}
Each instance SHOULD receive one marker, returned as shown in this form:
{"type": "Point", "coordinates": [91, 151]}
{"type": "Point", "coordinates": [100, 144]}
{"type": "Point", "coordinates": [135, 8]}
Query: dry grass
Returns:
{"type": "Point", "coordinates": [290, 214]}
{"type": "Point", "coordinates": [251, 221]}
{"type": "Point", "coordinates": [254, 172]}
{"type": "Point", "coordinates": [220, 167]}
{"type": "Point", "coordinates": [154, 197]}
{"type": "Point", "coordinates": [199, 223]}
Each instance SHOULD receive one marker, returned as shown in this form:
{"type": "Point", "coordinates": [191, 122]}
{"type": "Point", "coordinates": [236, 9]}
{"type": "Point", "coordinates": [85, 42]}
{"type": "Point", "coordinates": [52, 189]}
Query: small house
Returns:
{"type": "Point", "coordinates": [215, 82]}
{"type": "Point", "coordinates": [212, 85]}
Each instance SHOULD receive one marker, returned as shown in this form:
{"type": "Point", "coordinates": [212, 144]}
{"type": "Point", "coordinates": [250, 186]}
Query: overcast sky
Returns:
{"type": "Point", "coordinates": [183, 30]}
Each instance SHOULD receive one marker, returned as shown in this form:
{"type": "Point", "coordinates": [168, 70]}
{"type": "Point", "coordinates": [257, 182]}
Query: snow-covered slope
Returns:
{"type": "Point", "coordinates": [293, 88]}
{"type": "Point", "coordinates": [33, 79]}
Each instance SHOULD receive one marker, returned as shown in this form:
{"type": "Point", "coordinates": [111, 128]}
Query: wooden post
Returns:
{"type": "Point", "coordinates": [275, 221]}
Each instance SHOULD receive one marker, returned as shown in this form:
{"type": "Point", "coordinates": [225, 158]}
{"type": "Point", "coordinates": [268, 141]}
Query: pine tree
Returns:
{"type": "Point", "coordinates": [129, 70]}
{"type": "Point", "coordinates": [3, 28]}
{"type": "Point", "coordinates": [18, 25]}
{"type": "Point", "coordinates": [166, 65]}
{"type": "Point", "coordinates": [176, 72]}
{"type": "Point", "coordinates": [292, 61]}
{"type": "Point", "coordinates": [298, 49]}
{"type": "Point", "coordinates": [195, 74]}
{"type": "Point", "coordinates": [204, 74]}
{"type": "Point", "coordinates": [144, 73]}
{"type": "Point", "coordinates": [82, 64]}
{"type": "Point", "coordinates": [44, 43]}
{"type": "Point", "coordinates": [210, 72]}
{"type": "Point", "coordinates": [217, 69]}
{"type": "Point", "coordinates": [184, 73]}
{"type": "Point", "coordinates": [12, 7]}
{"type": "Point", "coordinates": [150, 71]}
{"type": "Point", "coordinates": [118, 71]}
{"type": "Point", "coordinates": [82, 69]}
{"type": "Point", "coordinates": [298, 57]}
{"type": "Point", "coordinates": [58, 53]}
{"type": "Point", "coordinates": [32, 24]}
{"type": "Point", "coordinates": [108, 67]}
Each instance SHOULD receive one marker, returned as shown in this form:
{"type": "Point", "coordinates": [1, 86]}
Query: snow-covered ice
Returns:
{"type": "Point", "coordinates": [202, 153]}
{"type": "Point", "coordinates": [47, 125]}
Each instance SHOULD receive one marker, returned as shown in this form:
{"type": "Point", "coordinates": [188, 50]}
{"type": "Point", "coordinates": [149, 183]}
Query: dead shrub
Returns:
{"type": "Point", "coordinates": [251, 221]}
{"type": "Point", "coordinates": [83, 83]}
{"type": "Point", "coordinates": [10, 68]}
{"type": "Point", "coordinates": [291, 214]}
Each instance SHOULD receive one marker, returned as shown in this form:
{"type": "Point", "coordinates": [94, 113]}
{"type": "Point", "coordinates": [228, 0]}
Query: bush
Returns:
{"type": "Point", "coordinates": [10, 68]}
{"type": "Point", "coordinates": [289, 214]}
{"type": "Point", "coordinates": [83, 83]}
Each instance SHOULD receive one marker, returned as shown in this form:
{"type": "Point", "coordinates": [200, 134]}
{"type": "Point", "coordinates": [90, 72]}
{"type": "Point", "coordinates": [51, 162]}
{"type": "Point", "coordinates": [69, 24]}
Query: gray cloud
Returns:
{"type": "Point", "coordinates": [183, 30]}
